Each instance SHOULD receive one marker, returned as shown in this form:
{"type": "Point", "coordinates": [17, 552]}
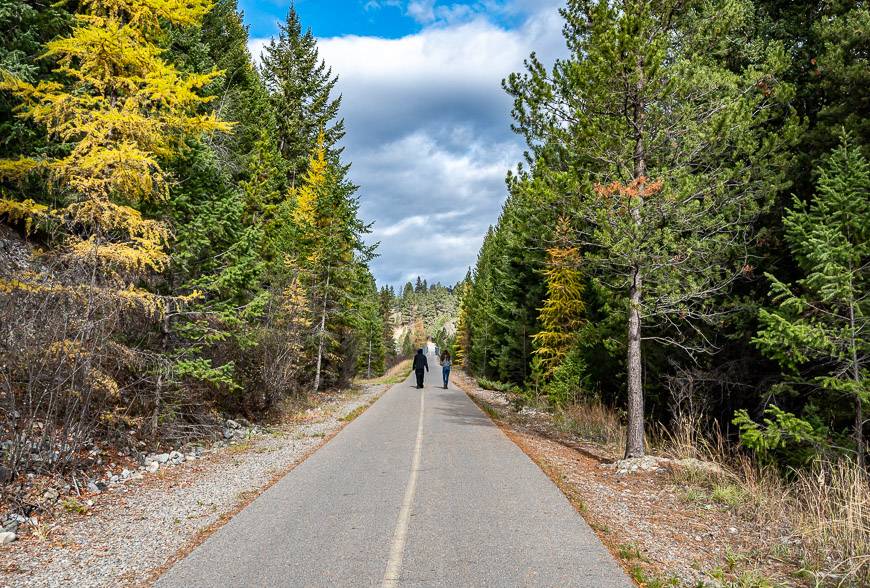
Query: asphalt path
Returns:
{"type": "Point", "coordinates": [420, 490]}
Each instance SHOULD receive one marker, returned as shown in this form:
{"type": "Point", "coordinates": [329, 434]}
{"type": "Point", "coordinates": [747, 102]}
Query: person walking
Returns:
{"type": "Point", "coordinates": [445, 367]}
{"type": "Point", "coordinates": [421, 365]}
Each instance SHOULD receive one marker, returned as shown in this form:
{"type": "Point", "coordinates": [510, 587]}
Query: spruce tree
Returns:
{"type": "Point", "coordinates": [821, 322]}
{"type": "Point", "coordinates": [329, 249]}
{"type": "Point", "coordinates": [387, 303]}
{"type": "Point", "coordinates": [463, 335]}
{"type": "Point", "coordinates": [301, 87]}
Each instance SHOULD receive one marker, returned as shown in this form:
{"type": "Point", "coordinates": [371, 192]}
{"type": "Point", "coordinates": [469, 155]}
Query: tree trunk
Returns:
{"type": "Point", "coordinates": [634, 446]}
{"type": "Point", "coordinates": [369, 366]}
{"type": "Point", "coordinates": [856, 375]}
{"type": "Point", "coordinates": [322, 334]}
{"type": "Point", "coordinates": [859, 430]}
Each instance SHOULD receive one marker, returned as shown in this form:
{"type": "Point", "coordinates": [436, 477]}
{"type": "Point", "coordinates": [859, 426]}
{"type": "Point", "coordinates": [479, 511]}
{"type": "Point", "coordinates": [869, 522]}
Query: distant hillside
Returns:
{"type": "Point", "coordinates": [422, 311]}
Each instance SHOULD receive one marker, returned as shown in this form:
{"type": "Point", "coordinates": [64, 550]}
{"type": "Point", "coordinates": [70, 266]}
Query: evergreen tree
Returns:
{"type": "Point", "coordinates": [330, 247]}
{"type": "Point", "coordinates": [463, 336]}
{"type": "Point", "coordinates": [387, 301]}
{"type": "Point", "coordinates": [369, 327]}
{"type": "Point", "coordinates": [671, 155]}
{"type": "Point", "coordinates": [27, 27]}
{"type": "Point", "coordinates": [821, 322]}
{"type": "Point", "coordinates": [301, 86]}
{"type": "Point", "coordinates": [407, 345]}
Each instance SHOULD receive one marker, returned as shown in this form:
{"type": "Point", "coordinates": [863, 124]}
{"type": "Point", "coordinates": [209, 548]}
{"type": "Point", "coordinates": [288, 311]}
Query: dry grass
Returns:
{"type": "Point", "coordinates": [832, 522]}
{"type": "Point", "coordinates": [354, 413]}
{"type": "Point", "coordinates": [394, 375]}
{"type": "Point", "coordinates": [594, 422]}
{"type": "Point", "coordinates": [817, 518]}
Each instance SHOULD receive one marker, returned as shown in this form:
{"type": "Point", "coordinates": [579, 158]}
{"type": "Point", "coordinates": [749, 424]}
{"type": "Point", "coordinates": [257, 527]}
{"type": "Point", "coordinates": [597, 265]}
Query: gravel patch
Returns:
{"type": "Point", "coordinates": [137, 527]}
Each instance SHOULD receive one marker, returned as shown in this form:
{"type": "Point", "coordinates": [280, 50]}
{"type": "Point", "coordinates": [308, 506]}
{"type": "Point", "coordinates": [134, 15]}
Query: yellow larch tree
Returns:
{"type": "Point", "coordinates": [562, 314]}
{"type": "Point", "coordinates": [121, 109]}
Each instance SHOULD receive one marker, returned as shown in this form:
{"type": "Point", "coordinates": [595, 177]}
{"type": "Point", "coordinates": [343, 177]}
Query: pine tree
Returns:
{"type": "Point", "coordinates": [671, 153]}
{"type": "Point", "coordinates": [369, 327]}
{"type": "Point", "coordinates": [562, 314]}
{"type": "Point", "coordinates": [301, 87]}
{"type": "Point", "coordinates": [822, 321]}
{"type": "Point", "coordinates": [463, 336]}
{"type": "Point", "coordinates": [480, 308]}
{"type": "Point", "coordinates": [329, 239]}
{"type": "Point", "coordinates": [407, 345]}
{"type": "Point", "coordinates": [387, 302]}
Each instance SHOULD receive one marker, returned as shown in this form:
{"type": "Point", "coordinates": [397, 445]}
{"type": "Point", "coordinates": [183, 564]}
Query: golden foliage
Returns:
{"type": "Point", "coordinates": [294, 307]}
{"type": "Point", "coordinates": [127, 299]}
{"type": "Point", "coordinates": [562, 314]}
{"type": "Point", "coordinates": [123, 108]}
{"type": "Point", "coordinates": [314, 183]}
{"type": "Point", "coordinates": [101, 382]}
{"type": "Point", "coordinates": [66, 348]}
{"type": "Point", "coordinates": [26, 211]}
{"type": "Point", "coordinates": [11, 169]}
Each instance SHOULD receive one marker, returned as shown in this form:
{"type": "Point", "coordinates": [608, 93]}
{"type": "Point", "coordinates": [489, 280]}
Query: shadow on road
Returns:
{"type": "Point", "coordinates": [461, 410]}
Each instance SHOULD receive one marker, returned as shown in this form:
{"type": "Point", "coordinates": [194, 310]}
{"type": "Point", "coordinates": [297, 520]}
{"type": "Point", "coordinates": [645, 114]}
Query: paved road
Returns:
{"type": "Point", "coordinates": [420, 490]}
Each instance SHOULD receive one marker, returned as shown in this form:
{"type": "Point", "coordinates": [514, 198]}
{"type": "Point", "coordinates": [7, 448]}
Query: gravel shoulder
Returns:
{"type": "Point", "coordinates": [136, 529]}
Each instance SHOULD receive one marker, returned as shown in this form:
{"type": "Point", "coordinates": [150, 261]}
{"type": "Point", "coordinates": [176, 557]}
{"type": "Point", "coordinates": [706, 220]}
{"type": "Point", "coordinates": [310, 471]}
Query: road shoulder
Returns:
{"type": "Point", "coordinates": [136, 530]}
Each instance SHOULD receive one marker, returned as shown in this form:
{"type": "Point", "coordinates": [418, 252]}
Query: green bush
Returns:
{"type": "Point", "coordinates": [570, 381]}
{"type": "Point", "coordinates": [781, 438]}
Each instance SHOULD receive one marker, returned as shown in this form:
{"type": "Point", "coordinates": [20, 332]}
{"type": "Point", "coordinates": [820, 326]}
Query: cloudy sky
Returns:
{"type": "Point", "coordinates": [428, 123]}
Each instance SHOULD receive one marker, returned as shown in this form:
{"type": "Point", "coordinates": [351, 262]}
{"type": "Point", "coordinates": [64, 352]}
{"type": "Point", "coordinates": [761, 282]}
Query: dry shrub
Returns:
{"type": "Point", "coordinates": [821, 514]}
{"type": "Point", "coordinates": [63, 372]}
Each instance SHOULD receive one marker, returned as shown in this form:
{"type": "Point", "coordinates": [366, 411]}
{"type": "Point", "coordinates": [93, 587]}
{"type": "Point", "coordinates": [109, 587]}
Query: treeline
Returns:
{"type": "Point", "coordinates": [689, 232]}
{"type": "Point", "coordinates": [181, 235]}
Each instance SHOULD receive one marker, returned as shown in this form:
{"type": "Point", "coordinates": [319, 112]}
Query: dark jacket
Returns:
{"type": "Point", "coordinates": [420, 362]}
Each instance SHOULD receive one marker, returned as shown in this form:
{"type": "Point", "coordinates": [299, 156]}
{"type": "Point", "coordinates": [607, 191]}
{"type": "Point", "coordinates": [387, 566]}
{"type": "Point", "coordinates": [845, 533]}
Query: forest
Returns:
{"type": "Point", "coordinates": [181, 240]}
{"type": "Point", "coordinates": [682, 264]}
{"type": "Point", "coordinates": [688, 236]}
{"type": "Point", "coordinates": [422, 311]}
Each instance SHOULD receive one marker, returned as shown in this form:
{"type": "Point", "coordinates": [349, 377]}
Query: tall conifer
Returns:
{"type": "Point", "coordinates": [301, 86]}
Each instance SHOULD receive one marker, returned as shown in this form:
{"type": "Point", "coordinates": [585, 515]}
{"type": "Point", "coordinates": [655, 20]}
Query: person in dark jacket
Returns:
{"type": "Point", "coordinates": [420, 364]}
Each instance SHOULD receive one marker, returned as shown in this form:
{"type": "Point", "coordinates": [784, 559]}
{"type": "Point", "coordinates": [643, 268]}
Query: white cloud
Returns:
{"type": "Point", "coordinates": [422, 10]}
{"type": "Point", "coordinates": [429, 129]}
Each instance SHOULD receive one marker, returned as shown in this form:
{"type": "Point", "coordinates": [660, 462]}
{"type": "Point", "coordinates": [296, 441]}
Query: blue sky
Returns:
{"type": "Point", "coordinates": [428, 125]}
{"type": "Point", "coordinates": [333, 18]}
{"type": "Point", "coordinates": [389, 19]}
